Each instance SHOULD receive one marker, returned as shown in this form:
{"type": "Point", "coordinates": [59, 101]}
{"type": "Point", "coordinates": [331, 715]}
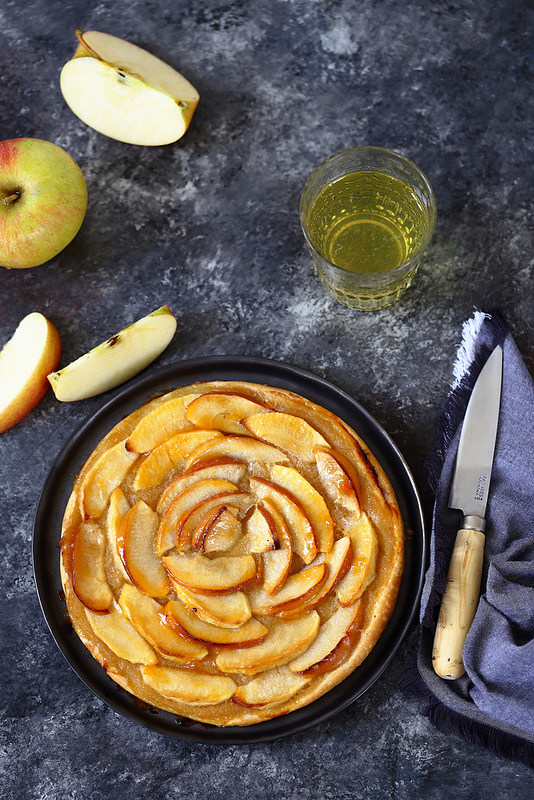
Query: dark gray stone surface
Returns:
{"type": "Point", "coordinates": [210, 226]}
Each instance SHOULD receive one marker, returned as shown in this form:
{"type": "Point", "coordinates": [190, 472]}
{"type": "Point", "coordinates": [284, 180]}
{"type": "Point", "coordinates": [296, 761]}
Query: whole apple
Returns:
{"type": "Point", "coordinates": [43, 200]}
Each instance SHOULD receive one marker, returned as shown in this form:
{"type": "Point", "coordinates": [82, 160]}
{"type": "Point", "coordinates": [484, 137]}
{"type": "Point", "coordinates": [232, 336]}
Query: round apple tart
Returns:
{"type": "Point", "coordinates": [230, 552]}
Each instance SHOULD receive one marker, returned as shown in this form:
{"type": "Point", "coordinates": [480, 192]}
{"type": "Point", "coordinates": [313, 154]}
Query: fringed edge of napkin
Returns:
{"type": "Point", "coordinates": [480, 335]}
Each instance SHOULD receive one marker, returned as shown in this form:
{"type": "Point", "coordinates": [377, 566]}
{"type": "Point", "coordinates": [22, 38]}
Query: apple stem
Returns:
{"type": "Point", "coordinates": [79, 35]}
{"type": "Point", "coordinates": [10, 198]}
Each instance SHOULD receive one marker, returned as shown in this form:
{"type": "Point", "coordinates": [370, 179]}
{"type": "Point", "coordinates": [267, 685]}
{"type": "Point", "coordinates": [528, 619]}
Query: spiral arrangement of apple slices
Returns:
{"type": "Point", "coordinates": [230, 552]}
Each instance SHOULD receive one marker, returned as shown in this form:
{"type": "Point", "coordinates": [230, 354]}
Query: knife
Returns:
{"type": "Point", "coordinates": [469, 493]}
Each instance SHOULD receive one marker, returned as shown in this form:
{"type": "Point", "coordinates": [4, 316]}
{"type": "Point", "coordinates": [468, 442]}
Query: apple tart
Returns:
{"type": "Point", "coordinates": [230, 552]}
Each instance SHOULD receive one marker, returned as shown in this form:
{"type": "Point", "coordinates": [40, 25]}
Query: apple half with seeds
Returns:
{"type": "Point", "coordinates": [125, 92]}
{"type": "Point", "coordinates": [117, 359]}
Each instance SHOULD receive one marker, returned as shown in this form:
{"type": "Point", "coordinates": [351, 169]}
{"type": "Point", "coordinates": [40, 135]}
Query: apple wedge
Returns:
{"type": "Point", "coordinates": [292, 434]}
{"type": "Point", "coordinates": [364, 553]}
{"type": "Point", "coordinates": [125, 92]}
{"type": "Point", "coordinates": [328, 638]}
{"type": "Point", "coordinates": [211, 575]}
{"type": "Point", "coordinates": [145, 615]}
{"type": "Point", "coordinates": [121, 637]}
{"type": "Point", "coordinates": [285, 641]}
{"type": "Point", "coordinates": [194, 688]}
{"type": "Point", "coordinates": [136, 546]}
{"type": "Point", "coordinates": [244, 448]}
{"type": "Point", "coordinates": [274, 686]}
{"type": "Point", "coordinates": [225, 610]}
{"type": "Point", "coordinates": [298, 523]}
{"type": "Point", "coordinates": [117, 359]}
{"type": "Point", "coordinates": [160, 424]}
{"type": "Point", "coordinates": [25, 361]}
{"type": "Point", "coordinates": [88, 568]}
{"type": "Point", "coordinates": [312, 502]}
{"type": "Point", "coordinates": [223, 469]}
{"type": "Point", "coordinates": [188, 623]}
{"type": "Point", "coordinates": [339, 486]}
{"type": "Point", "coordinates": [106, 474]}
{"type": "Point", "coordinates": [159, 463]}
{"type": "Point", "coordinates": [222, 410]}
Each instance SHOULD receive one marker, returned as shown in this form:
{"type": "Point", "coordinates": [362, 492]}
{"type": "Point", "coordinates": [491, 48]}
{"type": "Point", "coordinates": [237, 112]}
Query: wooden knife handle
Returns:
{"type": "Point", "coordinates": [459, 603]}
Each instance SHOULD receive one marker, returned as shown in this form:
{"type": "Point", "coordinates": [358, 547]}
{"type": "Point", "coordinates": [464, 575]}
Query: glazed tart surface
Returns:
{"type": "Point", "coordinates": [230, 552]}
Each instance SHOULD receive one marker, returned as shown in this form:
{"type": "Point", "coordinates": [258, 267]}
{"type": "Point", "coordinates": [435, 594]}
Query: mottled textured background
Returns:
{"type": "Point", "coordinates": [210, 226]}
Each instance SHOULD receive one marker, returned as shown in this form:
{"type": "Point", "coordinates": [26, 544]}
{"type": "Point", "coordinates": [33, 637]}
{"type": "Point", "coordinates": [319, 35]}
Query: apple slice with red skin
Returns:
{"type": "Point", "coordinates": [26, 359]}
{"type": "Point", "coordinates": [193, 688]}
{"type": "Point", "coordinates": [136, 546]}
{"type": "Point", "coordinates": [88, 568]}
{"type": "Point", "coordinates": [276, 563]}
{"type": "Point", "coordinates": [189, 524]}
{"type": "Point", "coordinates": [312, 502]}
{"type": "Point", "coordinates": [217, 532]}
{"type": "Point", "coordinates": [302, 532]}
{"type": "Point", "coordinates": [188, 623]}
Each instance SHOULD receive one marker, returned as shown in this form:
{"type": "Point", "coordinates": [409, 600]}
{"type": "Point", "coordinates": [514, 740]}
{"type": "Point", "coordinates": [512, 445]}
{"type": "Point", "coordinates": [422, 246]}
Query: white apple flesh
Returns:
{"type": "Point", "coordinates": [125, 92]}
{"type": "Point", "coordinates": [25, 361]}
{"type": "Point", "coordinates": [43, 199]}
{"type": "Point", "coordinates": [117, 359]}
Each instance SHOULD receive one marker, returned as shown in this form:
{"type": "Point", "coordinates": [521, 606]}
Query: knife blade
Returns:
{"type": "Point", "coordinates": [469, 493]}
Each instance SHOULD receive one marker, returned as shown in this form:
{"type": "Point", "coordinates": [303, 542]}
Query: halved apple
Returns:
{"type": "Point", "coordinates": [136, 546]}
{"type": "Point", "coordinates": [222, 410]}
{"type": "Point", "coordinates": [189, 623]}
{"type": "Point", "coordinates": [25, 360]}
{"type": "Point", "coordinates": [225, 610]}
{"type": "Point", "coordinates": [286, 639]}
{"type": "Point", "coordinates": [224, 468]}
{"type": "Point", "coordinates": [292, 434]}
{"type": "Point", "coordinates": [300, 527]}
{"type": "Point", "coordinates": [121, 637]}
{"type": "Point", "coordinates": [211, 575]}
{"type": "Point", "coordinates": [88, 568]}
{"type": "Point", "coordinates": [145, 615]}
{"type": "Point", "coordinates": [194, 688]}
{"type": "Point", "coordinates": [244, 448]}
{"type": "Point", "coordinates": [292, 594]}
{"type": "Point", "coordinates": [106, 474]}
{"type": "Point", "coordinates": [166, 419]}
{"type": "Point", "coordinates": [274, 686]}
{"type": "Point", "coordinates": [160, 462]}
{"type": "Point", "coordinates": [362, 569]}
{"type": "Point", "coordinates": [312, 502]}
{"type": "Point", "coordinates": [328, 638]}
{"type": "Point", "coordinates": [125, 92]}
{"type": "Point", "coordinates": [117, 359]}
{"type": "Point", "coordinates": [336, 481]}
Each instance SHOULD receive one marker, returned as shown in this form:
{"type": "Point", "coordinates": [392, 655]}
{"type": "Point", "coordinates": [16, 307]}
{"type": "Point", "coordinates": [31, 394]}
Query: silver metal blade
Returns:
{"type": "Point", "coordinates": [474, 460]}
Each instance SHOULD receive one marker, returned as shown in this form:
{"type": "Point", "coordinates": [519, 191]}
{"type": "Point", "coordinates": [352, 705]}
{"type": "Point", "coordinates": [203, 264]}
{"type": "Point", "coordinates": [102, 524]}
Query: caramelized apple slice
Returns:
{"type": "Point", "coordinates": [222, 468]}
{"type": "Point", "coordinates": [222, 410]}
{"type": "Point", "coordinates": [235, 501]}
{"type": "Point", "coordinates": [167, 456]}
{"type": "Point", "coordinates": [117, 510]}
{"type": "Point", "coordinates": [312, 502]}
{"type": "Point", "coordinates": [88, 568]}
{"type": "Point", "coordinates": [259, 535]}
{"type": "Point", "coordinates": [145, 615]}
{"type": "Point", "coordinates": [274, 686]}
{"type": "Point", "coordinates": [286, 639]}
{"type": "Point", "coordinates": [328, 638]}
{"type": "Point", "coordinates": [218, 531]}
{"type": "Point", "coordinates": [300, 527]}
{"type": "Point", "coordinates": [136, 545]}
{"type": "Point", "coordinates": [292, 434]}
{"type": "Point", "coordinates": [194, 688]}
{"type": "Point", "coordinates": [293, 593]}
{"type": "Point", "coordinates": [277, 563]}
{"type": "Point", "coordinates": [188, 498]}
{"type": "Point", "coordinates": [120, 636]}
{"type": "Point", "coordinates": [103, 477]}
{"type": "Point", "coordinates": [362, 570]}
{"type": "Point", "coordinates": [338, 485]}
{"type": "Point", "coordinates": [225, 610]}
{"type": "Point", "coordinates": [160, 424]}
{"type": "Point", "coordinates": [211, 575]}
{"type": "Point", "coordinates": [188, 623]}
{"type": "Point", "coordinates": [244, 448]}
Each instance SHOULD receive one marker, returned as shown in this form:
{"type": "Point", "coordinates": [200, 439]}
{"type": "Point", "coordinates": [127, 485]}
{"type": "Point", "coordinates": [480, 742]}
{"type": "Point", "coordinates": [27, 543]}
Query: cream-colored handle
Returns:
{"type": "Point", "coordinates": [459, 604]}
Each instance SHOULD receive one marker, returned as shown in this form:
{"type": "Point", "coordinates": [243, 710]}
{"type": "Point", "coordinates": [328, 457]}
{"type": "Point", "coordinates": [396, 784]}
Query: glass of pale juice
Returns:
{"type": "Point", "coordinates": [367, 214]}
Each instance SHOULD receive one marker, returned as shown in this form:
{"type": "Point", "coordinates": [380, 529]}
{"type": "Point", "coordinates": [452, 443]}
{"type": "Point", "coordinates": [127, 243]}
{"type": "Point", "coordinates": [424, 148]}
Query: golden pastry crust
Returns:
{"type": "Point", "coordinates": [230, 552]}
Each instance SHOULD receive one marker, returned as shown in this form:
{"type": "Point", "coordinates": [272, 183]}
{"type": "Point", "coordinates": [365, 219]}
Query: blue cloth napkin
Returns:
{"type": "Point", "coordinates": [493, 702]}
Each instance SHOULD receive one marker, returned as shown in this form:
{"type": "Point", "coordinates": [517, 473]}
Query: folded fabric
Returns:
{"type": "Point", "coordinates": [493, 702]}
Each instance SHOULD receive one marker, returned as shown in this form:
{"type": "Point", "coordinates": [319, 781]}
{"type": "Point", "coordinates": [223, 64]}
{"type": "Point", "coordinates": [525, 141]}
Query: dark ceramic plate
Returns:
{"type": "Point", "coordinates": [57, 490]}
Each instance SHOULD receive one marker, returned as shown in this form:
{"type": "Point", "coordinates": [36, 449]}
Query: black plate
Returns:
{"type": "Point", "coordinates": [57, 490]}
